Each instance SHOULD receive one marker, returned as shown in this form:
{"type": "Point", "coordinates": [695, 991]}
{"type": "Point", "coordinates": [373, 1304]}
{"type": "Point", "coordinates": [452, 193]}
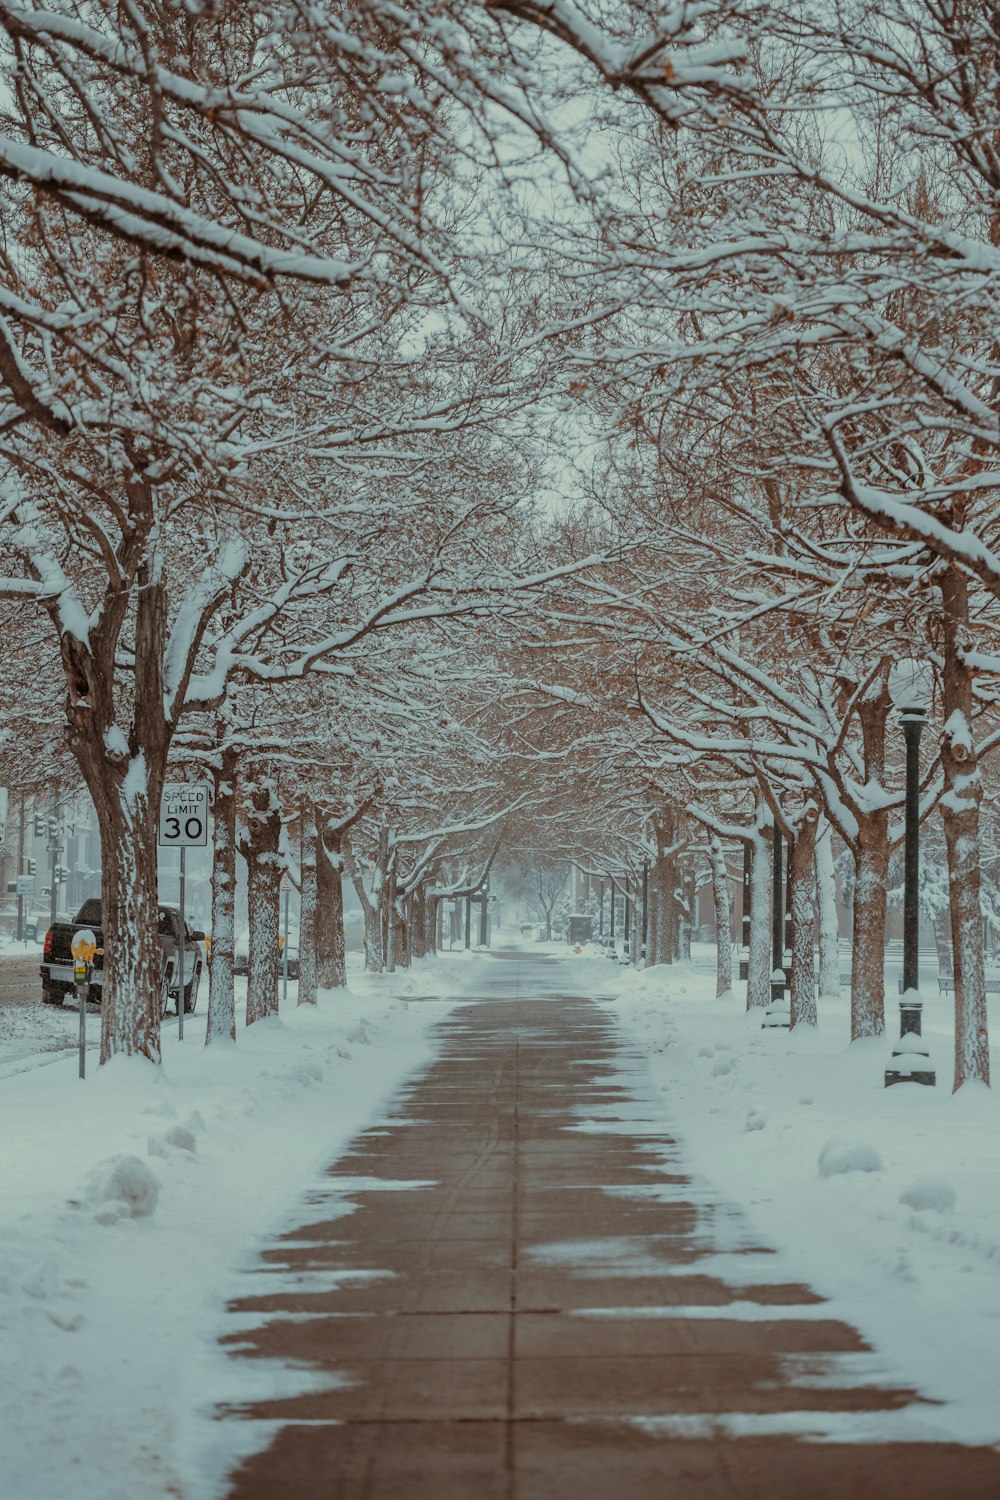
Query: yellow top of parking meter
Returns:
{"type": "Point", "coordinates": [84, 945]}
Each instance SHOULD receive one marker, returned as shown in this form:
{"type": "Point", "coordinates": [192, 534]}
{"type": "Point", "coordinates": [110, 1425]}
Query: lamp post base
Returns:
{"type": "Point", "coordinates": [779, 1012]}
{"type": "Point", "coordinates": [911, 1060]}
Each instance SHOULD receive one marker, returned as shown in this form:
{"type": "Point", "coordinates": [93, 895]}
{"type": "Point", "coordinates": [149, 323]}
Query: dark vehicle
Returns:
{"type": "Point", "coordinates": [57, 958]}
{"type": "Point", "coordinates": [241, 954]}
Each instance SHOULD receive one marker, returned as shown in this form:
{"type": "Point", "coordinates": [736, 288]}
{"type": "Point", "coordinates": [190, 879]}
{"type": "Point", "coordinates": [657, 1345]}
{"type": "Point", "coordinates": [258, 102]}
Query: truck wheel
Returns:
{"type": "Point", "coordinates": [53, 994]}
{"type": "Point", "coordinates": [191, 991]}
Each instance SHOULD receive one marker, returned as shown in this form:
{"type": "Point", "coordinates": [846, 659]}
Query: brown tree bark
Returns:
{"type": "Point", "coordinates": [688, 900]}
{"type": "Point", "coordinates": [124, 774]}
{"type": "Point", "coordinates": [417, 924]}
{"type": "Point", "coordinates": [264, 871]}
{"type": "Point", "coordinates": [221, 999]}
{"type": "Point", "coordinates": [871, 867]}
{"type": "Point", "coordinates": [432, 908]}
{"type": "Point", "coordinates": [723, 922]}
{"type": "Point", "coordinates": [331, 956]}
{"type": "Point", "coordinates": [802, 879]}
{"type": "Point", "coordinates": [829, 925]}
{"type": "Point", "coordinates": [759, 957]}
{"type": "Point", "coordinates": [372, 910]}
{"type": "Point", "coordinates": [664, 879]}
{"type": "Point", "coordinates": [308, 896]}
{"type": "Point", "coordinates": [960, 814]}
{"type": "Point", "coordinates": [390, 926]}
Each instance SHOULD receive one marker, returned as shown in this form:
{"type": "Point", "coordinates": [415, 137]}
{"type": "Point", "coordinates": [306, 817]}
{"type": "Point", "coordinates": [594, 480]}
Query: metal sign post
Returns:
{"type": "Point", "coordinates": [180, 956]}
{"type": "Point", "coordinates": [3, 814]}
{"type": "Point", "coordinates": [183, 826]}
{"type": "Point", "coordinates": [25, 888]}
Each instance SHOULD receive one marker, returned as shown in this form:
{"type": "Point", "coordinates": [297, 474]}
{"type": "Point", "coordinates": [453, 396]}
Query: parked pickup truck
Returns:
{"type": "Point", "coordinates": [57, 958]}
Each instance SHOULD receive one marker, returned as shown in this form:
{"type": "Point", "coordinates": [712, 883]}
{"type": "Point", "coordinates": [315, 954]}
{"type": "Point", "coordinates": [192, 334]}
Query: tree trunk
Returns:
{"type": "Point", "coordinates": [372, 909]}
{"type": "Point", "coordinates": [131, 993]}
{"type": "Point", "coordinates": [309, 895]}
{"type": "Point", "coordinates": [264, 871]}
{"type": "Point", "coordinates": [960, 815]}
{"type": "Point", "coordinates": [829, 923]}
{"type": "Point", "coordinates": [686, 902]}
{"type": "Point", "coordinates": [432, 908]}
{"type": "Point", "coordinates": [723, 923]}
{"type": "Point", "coordinates": [221, 999]}
{"type": "Point", "coordinates": [665, 881]}
{"type": "Point", "coordinates": [331, 958]}
{"type": "Point", "coordinates": [389, 919]}
{"type": "Point", "coordinates": [418, 922]}
{"type": "Point", "coordinates": [759, 958]}
{"type": "Point", "coordinates": [404, 932]}
{"type": "Point", "coordinates": [374, 961]}
{"type": "Point", "coordinates": [802, 879]}
{"type": "Point", "coordinates": [871, 866]}
{"type": "Point", "coordinates": [124, 772]}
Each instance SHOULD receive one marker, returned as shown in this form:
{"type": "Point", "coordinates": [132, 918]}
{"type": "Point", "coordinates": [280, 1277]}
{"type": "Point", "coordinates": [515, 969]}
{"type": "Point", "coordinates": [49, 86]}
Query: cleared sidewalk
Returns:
{"type": "Point", "coordinates": [531, 1299]}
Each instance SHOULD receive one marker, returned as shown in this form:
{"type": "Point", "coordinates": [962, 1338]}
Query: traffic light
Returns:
{"type": "Point", "coordinates": [61, 873]}
{"type": "Point", "coordinates": [39, 826]}
{"type": "Point", "coordinates": [32, 866]}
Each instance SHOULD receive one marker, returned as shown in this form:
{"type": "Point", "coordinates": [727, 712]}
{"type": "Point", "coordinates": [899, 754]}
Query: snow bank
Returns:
{"type": "Point", "coordinates": [111, 1268]}
{"type": "Point", "coordinates": [887, 1201]}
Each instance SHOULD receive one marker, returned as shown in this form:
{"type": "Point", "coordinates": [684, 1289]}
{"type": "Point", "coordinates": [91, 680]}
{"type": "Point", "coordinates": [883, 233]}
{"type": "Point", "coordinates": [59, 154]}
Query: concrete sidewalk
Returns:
{"type": "Point", "coordinates": [532, 1300]}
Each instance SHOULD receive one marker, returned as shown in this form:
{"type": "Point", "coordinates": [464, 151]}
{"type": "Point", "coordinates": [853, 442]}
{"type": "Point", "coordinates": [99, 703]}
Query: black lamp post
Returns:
{"type": "Point", "coordinates": [777, 921]}
{"type": "Point", "coordinates": [909, 688]}
{"type": "Point", "coordinates": [779, 1012]}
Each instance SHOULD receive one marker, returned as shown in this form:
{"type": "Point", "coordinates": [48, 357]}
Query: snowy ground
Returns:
{"type": "Point", "coordinates": [218, 1146]}
{"type": "Point", "coordinates": [904, 1232]}
{"type": "Point", "coordinates": [227, 1141]}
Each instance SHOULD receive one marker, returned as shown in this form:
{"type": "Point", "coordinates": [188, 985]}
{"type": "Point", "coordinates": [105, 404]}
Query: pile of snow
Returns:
{"type": "Point", "coordinates": [113, 1271]}
{"type": "Point", "coordinates": [929, 1193]}
{"type": "Point", "coordinates": [123, 1187]}
{"type": "Point", "coordinates": [798, 1130]}
{"type": "Point", "coordinates": [839, 1157]}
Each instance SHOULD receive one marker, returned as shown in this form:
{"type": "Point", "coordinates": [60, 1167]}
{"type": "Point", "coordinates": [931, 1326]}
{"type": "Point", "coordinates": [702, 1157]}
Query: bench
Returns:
{"type": "Point", "coordinates": [946, 983]}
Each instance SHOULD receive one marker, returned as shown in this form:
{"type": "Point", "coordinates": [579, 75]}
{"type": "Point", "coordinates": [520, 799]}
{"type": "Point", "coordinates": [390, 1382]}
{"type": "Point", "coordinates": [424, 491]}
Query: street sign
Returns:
{"type": "Point", "coordinates": [3, 814]}
{"type": "Point", "coordinates": [286, 884]}
{"type": "Point", "coordinates": [184, 816]}
{"type": "Point", "coordinates": [26, 885]}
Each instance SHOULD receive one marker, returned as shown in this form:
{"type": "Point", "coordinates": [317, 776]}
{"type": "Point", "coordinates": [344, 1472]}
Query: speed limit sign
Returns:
{"type": "Point", "coordinates": [184, 816]}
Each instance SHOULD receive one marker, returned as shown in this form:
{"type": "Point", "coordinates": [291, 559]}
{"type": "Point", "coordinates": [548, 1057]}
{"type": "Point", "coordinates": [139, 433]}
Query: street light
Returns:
{"type": "Point", "coordinates": [779, 1012]}
{"type": "Point", "coordinates": [911, 685]}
